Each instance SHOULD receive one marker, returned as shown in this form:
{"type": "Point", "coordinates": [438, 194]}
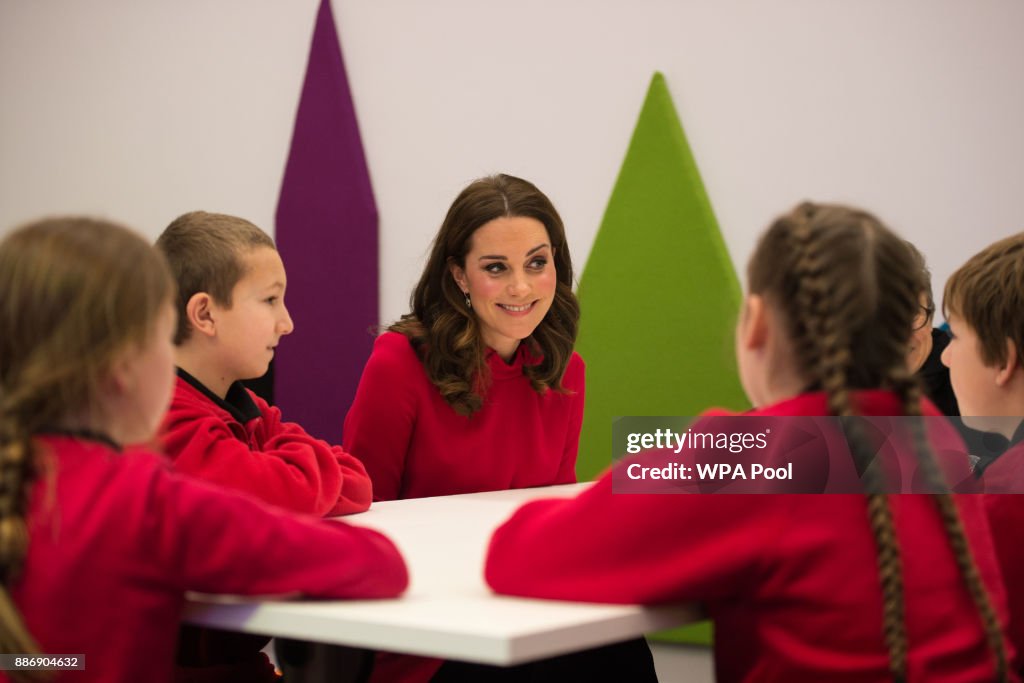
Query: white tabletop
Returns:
{"type": "Point", "coordinates": [448, 610]}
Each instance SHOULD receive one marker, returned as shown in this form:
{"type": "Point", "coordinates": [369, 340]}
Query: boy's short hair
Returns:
{"type": "Point", "coordinates": [204, 250]}
{"type": "Point", "coordinates": [987, 292]}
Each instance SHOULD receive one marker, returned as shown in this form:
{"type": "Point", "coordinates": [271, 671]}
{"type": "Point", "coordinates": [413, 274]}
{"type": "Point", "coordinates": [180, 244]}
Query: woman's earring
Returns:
{"type": "Point", "coordinates": [469, 304]}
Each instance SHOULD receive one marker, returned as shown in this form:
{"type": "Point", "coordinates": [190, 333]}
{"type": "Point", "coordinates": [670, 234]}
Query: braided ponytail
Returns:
{"type": "Point", "coordinates": [910, 394]}
{"type": "Point", "coordinates": [825, 309]}
{"type": "Point", "coordinates": [906, 386]}
{"type": "Point", "coordinates": [848, 289]}
{"type": "Point", "coordinates": [17, 470]}
{"type": "Point", "coordinates": [73, 294]}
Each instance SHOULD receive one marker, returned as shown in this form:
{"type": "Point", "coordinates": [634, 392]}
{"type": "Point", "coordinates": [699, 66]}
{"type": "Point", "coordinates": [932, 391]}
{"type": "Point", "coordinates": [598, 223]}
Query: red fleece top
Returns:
{"type": "Point", "coordinates": [415, 445]}
{"type": "Point", "coordinates": [790, 581]}
{"type": "Point", "coordinates": [115, 540]}
{"type": "Point", "coordinates": [241, 443]}
{"type": "Point", "coordinates": [1006, 516]}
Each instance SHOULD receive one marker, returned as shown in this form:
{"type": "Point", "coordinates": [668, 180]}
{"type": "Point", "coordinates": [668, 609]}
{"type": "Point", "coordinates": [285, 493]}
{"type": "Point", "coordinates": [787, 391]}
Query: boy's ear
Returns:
{"type": "Point", "coordinates": [199, 313]}
{"type": "Point", "coordinates": [1010, 367]}
{"type": "Point", "coordinates": [754, 327]}
{"type": "Point", "coordinates": [460, 277]}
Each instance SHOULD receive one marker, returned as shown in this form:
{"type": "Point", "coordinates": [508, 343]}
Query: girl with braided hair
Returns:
{"type": "Point", "coordinates": [99, 542]}
{"type": "Point", "coordinates": [840, 587]}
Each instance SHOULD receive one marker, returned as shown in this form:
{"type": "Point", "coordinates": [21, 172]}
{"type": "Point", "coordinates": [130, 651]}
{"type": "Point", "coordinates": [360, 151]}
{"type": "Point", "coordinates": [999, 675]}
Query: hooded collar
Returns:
{"type": "Point", "coordinates": [514, 368]}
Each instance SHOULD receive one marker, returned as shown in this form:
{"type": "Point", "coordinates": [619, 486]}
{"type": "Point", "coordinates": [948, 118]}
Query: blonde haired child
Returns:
{"type": "Point", "coordinates": [98, 543]}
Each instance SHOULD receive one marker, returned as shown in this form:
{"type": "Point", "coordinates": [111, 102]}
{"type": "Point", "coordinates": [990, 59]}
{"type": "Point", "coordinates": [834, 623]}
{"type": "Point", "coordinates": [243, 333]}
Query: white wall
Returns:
{"type": "Point", "coordinates": [140, 110]}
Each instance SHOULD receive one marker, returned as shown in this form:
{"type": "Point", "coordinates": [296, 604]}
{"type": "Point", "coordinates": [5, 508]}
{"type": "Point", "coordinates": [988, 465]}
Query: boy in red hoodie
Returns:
{"type": "Point", "coordinates": [231, 316]}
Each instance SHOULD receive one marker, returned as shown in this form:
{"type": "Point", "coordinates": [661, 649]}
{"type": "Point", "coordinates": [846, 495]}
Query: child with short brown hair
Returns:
{"type": "Point", "coordinates": [231, 316]}
{"type": "Point", "coordinates": [984, 304]}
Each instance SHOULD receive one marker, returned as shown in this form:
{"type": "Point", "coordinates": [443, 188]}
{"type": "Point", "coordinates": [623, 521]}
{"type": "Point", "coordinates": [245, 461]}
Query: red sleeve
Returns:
{"type": "Point", "coordinates": [575, 381]}
{"type": "Point", "coordinates": [203, 538]}
{"type": "Point", "coordinates": [629, 548]}
{"type": "Point", "coordinates": [293, 470]}
{"type": "Point", "coordinates": [379, 425]}
{"type": "Point", "coordinates": [356, 490]}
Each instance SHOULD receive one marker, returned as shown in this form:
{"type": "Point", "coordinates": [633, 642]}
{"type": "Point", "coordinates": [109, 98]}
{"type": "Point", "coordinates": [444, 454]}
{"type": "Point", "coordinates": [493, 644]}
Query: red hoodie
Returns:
{"type": "Point", "coordinates": [115, 540]}
{"type": "Point", "coordinates": [791, 581]}
{"type": "Point", "coordinates": [1006, 516]}
{"type": "Point", "coordinates": [241, 443]}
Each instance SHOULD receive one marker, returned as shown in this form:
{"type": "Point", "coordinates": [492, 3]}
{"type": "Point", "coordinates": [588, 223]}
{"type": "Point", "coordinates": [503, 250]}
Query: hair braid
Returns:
{"type": "Point", "coordinates": [910, 392]}
{"type": "Point", "coordinates": [848, 289]}
{"type": "Point", "coordinates": [907, 387]}
{"type": "Point", "coordinates": [824, 312]}
{"type": "Point", "coordinates": [16, 473]}
{"type": "Point", "coordinates": [890, 573]}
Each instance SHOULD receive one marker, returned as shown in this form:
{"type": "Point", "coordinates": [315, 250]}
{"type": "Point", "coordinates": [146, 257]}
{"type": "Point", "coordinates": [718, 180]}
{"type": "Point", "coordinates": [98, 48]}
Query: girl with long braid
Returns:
{"type": "Point", "coordinates": [98, 543]}
{"type": "Point", "coordinates": [833, 587]}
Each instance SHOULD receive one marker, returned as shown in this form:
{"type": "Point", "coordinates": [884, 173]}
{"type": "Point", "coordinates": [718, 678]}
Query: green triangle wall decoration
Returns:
{"type": "Point", "coordinates": [659, 296]}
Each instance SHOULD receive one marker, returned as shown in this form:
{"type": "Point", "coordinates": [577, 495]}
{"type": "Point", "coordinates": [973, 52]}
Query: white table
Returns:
{"type": "Point", "coordinates": [448, 610]}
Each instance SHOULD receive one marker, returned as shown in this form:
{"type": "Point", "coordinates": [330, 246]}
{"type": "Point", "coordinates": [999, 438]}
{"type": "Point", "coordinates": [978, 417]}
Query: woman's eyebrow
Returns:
{"type": "Point", "coordinates": [499, 257]}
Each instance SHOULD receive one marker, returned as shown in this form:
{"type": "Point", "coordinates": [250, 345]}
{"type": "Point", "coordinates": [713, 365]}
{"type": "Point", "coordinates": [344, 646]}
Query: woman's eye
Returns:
{"type": "Point", "coordinates": [494, 267]}
{"type": "Point", "coordinates": [271, 300]}
{"type": "Point", "coordinates": [538, 263]}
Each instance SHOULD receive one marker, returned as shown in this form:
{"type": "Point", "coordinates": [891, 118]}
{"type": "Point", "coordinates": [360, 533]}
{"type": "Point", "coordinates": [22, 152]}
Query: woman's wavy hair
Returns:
{"type": "Point", "coordinates": [442, 327]}
{"type": "Point", "coordinates": [848, 288]}
{"type": "Point", "coordinates": [74, 293]}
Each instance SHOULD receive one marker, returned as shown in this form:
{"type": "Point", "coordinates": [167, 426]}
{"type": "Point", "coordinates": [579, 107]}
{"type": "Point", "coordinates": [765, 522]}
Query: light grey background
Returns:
{"type": "Point", "coordinates": [140, 110]}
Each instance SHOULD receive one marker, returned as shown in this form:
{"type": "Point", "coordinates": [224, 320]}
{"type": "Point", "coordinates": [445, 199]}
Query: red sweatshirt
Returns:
{"type": "Point", "coordinates": [1006, 516]}
{"type": "Point", "coordinates": [241, 443]}
{"type": "Point", "coordinates": [116, 539]}
{"type": "Point", "coordinates": [790, 581]}
{"type": "Point", "coordinates": [415, 445]}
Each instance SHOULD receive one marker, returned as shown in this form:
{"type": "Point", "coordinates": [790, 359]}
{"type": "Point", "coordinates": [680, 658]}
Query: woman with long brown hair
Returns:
{"type": "Point", "coordinates": [478, 387]}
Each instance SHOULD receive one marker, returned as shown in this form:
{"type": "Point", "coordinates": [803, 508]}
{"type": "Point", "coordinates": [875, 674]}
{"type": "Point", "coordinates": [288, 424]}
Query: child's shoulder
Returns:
{"type": "Point", "coordinates": [190, 400]}
{"type": "Point", "coordinates": [86, 461]}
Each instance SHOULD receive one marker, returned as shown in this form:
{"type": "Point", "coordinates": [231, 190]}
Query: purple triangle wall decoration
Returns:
{"type": "Point", "coordinates": [327, 237]}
